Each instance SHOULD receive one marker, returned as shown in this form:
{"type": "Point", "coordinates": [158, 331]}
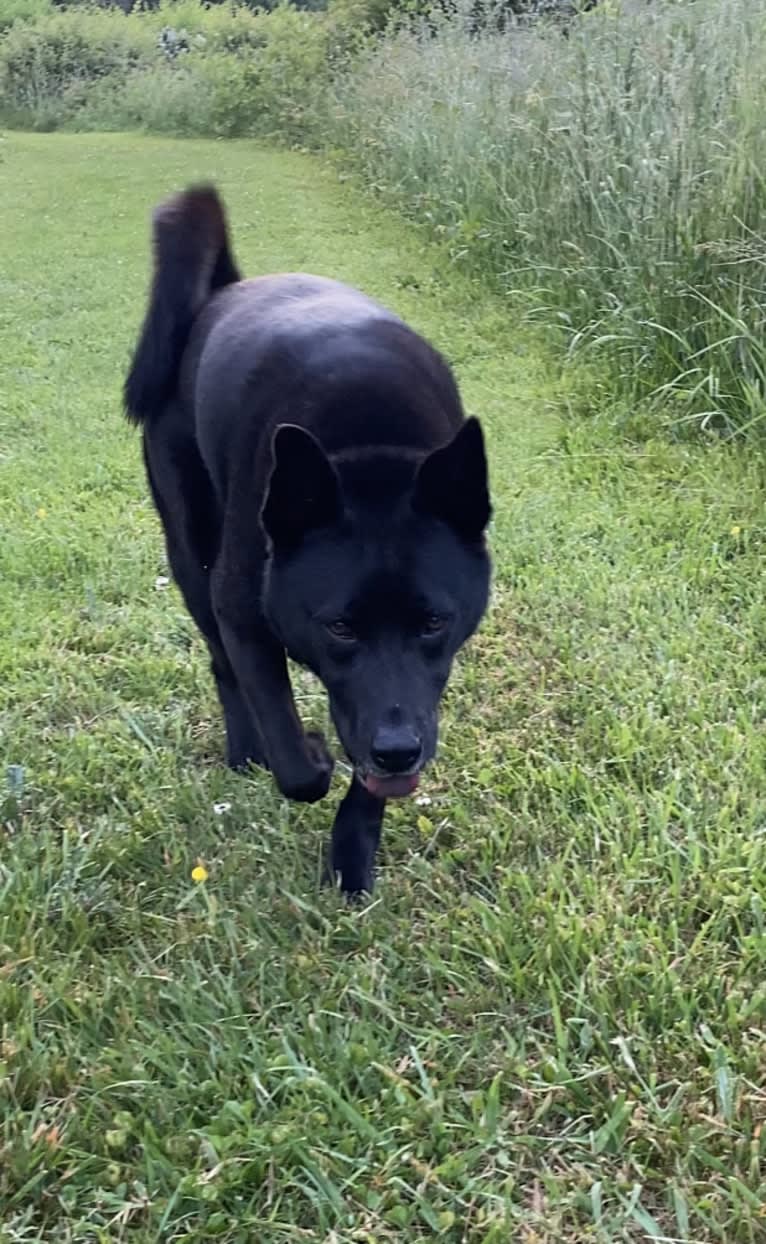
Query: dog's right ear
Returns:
{"type": "Point", "coordinates": [452, 483]}
{"type": "Point", "coordinates": [304, 489]}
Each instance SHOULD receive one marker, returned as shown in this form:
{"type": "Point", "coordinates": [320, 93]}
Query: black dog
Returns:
{"type": "Point", "coordinates": [323, 498]}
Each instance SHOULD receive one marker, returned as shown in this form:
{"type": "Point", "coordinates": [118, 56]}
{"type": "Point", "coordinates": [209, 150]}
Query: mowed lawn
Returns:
{"type": "Point", "coordinates": [548, 1024]}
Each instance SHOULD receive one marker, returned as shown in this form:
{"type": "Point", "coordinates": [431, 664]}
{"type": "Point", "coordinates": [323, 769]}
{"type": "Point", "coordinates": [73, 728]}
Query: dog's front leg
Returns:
{"type": "Point", "coordinates": [300, 762]}
{"type": "Point", "coordinates": [355, 838]}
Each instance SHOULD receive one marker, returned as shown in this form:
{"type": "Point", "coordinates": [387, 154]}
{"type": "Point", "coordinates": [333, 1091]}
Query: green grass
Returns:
{"type": "Point", "coordinates": [549, 1023]}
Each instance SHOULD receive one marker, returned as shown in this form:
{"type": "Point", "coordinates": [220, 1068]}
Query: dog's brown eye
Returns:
{"type": "Point", "coordinates": [432, 624]}
{"type": "Point", "coordinates": [341, 630]}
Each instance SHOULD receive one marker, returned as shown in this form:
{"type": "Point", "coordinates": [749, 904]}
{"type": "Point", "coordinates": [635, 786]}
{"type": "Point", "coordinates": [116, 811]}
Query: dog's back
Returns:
{"type": "Point", "coordinates": [239, 357]}
{"type": "Point", "coordinates": [304, 349]}
{"type": "Point", "coordinates": [209, 335]}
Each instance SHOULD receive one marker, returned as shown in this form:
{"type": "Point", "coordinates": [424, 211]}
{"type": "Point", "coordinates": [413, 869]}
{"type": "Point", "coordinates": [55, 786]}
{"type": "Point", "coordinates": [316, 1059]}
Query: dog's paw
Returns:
{"type": "Point", "coordinates": [244, 745]}
{"type": "Point", "coordinates": [242, 759]}
{"type": "Point", "coordinates": [319, 753]}
{"type": "Point", "coordinates": [351, 864]}
{"type": "Point", "coordinates": [354, 878]}
{"type": "Point", "coordinates": [312, 782]}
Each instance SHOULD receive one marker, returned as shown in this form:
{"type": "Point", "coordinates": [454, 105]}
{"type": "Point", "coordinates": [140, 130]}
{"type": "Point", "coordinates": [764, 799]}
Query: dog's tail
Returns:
{"type": "Point", "coordinates": [192, 259]}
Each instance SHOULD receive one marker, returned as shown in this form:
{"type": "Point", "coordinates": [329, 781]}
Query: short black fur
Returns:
{"type": "Point", "coordinates": [323, 498]}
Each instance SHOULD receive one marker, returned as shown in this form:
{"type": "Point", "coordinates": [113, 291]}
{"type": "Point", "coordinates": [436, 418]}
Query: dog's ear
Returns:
{"type": "Point", "coordinates": [304, 489]}
{"type": "Point", "coordinates": [452, 483]}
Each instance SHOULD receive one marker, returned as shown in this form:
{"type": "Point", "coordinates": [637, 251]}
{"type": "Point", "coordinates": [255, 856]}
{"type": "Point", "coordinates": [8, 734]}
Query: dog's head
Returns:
{"type": "Point", "coordinates": [376, 597]}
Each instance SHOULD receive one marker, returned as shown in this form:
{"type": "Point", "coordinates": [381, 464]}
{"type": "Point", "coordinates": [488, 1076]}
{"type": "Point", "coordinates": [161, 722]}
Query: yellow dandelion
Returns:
{"type": "Point", "coordinates": [735, 531]}
{"type": "Point", "coordinates": [42, 512]}
{"type": "Point", "coordinates": [199, 874]}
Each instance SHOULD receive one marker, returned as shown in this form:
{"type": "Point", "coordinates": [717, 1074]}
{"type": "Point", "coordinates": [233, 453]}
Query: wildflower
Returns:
{"type": "Point", "coordinates": [735, 531]}
{"type": "Point", "coordinates": [221, 808]}
{"type": "Point", "coordinates": [51, 1135]}
{"type": "Point", "coordinates": [161, 582]}
{"type": "Point", "coordinates": [199, 874]}
{"type": "Point", "coordinates": [42, 512]}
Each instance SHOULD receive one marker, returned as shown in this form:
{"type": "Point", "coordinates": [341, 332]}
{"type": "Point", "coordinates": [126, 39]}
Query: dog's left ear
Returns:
{"type": "Point", "coordinates": [452, 483]}
{"type": "Point", "coordinates": [304, 489]}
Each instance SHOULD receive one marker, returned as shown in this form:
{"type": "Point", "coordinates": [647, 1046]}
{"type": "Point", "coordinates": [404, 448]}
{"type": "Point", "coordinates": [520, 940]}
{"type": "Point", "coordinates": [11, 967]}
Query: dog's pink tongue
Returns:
{"type": "Point", "coordinates": [391, 787]}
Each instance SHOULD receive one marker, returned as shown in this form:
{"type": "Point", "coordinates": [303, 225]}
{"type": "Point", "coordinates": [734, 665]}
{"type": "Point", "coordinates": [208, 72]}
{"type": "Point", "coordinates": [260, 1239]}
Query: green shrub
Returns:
{"type": "Point", "coordinates": [44, 65]}
{"type": "Point", "coordinates": [155, 99]}
{"type": "Point", "coordinates": [227, 73]}
{"type": "Point", "coordinates": [211, 95]}
{"type": "Point", "coordinates": [231, 86]}
{"type": "Point", "coordinates": [22, 11]}
{"type": "Point", "coordinates": [223, 71]}
{"type": "Point", "coordinates": [288, 78]}
{"type": "Point", "coordinates": [227, 28]}
{"type": "Point", "coordinates": [369, 15]}
{"type": "Point", "coordinates": [277, 92]}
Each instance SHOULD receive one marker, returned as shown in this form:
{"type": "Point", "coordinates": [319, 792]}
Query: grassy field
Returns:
{"type": "Point", "coordinates": [611, 180]}
{"type": "Point", "coordinates": [548, 1025]}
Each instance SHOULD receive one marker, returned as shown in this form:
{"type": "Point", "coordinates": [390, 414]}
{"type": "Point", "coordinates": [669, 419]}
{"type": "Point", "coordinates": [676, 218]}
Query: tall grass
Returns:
{"type": "Point", "coordinates": [615, 177]}
{"type": "Point", "coordinates": [610, 177]}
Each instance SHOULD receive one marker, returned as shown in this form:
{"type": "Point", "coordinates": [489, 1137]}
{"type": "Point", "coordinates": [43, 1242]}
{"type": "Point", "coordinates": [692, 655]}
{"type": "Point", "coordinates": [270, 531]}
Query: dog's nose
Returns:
{"type": "Point", "coordinates": [396, 750]}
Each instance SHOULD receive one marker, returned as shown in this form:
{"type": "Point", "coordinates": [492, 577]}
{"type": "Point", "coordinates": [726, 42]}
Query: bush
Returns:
{"type": "Point", "coordinates": [278, 93]}
{"type": "Point", "coordinates": [286, 84]}
{"type": "Point", "coordinates": [22, 11]}
{"type": "Point", "coordinates": [174, 71]}
{"type": "Point", "coordinates": [152, 99]}
{"type": "Point", "coordinates": [44, 66]}
{"type": "Point", "coordinates": [225, 72]}
{"type": "Point", "coordinates": [223, 28]}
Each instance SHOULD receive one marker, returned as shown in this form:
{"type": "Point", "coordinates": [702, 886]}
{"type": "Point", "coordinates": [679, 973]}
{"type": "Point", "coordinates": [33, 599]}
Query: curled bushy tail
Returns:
{"type": "Point", "coordinates": [191, 260]}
